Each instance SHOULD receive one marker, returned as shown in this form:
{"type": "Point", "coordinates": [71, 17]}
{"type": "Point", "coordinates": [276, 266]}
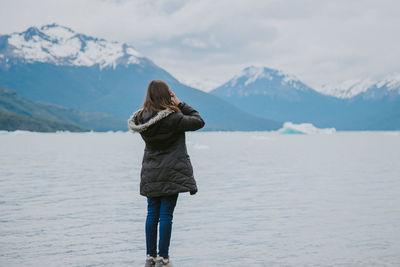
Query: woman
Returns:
{"type": "Point", "coordinates": [166, 167]}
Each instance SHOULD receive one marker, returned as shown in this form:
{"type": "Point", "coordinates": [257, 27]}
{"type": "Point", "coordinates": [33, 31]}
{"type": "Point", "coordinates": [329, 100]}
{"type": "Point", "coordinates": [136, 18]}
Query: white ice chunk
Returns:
{"type": "Point", "coordinates": [304, 128]}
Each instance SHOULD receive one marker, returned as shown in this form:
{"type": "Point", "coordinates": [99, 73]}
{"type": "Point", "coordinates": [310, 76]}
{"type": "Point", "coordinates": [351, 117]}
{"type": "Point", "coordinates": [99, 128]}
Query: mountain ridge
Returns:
{"type": "Point", "coordinates": [60, 45]}
{"type": "Point", "coordinates": [12, 103]}
{"type": "Point", "coordinates": [268, 94]}
{"type": "Point", "coordinates": [352, 88]}
{"type": "Point", "coordinates": [114, 84]}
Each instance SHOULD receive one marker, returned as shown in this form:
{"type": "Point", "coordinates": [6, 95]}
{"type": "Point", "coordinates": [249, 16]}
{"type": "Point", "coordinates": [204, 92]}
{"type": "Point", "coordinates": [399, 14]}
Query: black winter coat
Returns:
{"type": "Point", "coordinates": [166, 167]}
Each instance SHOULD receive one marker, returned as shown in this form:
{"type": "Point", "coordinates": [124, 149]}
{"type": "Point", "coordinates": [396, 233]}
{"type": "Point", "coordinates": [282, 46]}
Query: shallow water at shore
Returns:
{"type": "Point", "coordinates": [72, 199]}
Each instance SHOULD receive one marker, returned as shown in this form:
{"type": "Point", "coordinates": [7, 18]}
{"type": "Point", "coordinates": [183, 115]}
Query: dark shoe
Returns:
{"type": "Point", "coordinates": [161, 262]}
{"type": "Point", "coordinates": [150, 262]}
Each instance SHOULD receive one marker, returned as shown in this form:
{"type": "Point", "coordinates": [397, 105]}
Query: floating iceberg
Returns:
{"type": "Point", "coordinates": [303, 128]}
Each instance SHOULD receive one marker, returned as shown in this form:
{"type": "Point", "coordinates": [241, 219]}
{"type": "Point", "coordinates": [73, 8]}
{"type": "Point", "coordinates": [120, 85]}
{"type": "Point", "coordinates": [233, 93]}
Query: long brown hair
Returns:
{"type": "Point", "coordinates": [158, 97]}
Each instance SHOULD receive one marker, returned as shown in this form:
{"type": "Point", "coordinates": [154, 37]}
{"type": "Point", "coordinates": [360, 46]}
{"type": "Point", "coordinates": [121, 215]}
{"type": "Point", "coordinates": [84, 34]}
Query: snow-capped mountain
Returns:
{"type": "Point", "coordinates": [57, 65]}
{"type": "Point", "coordinates": [355, 105]}
{"type": "Point", "coordinates": [272, 93]}
{"type": "Point", "coordinates": [348, 88]}
{"type": "Point", "coordinates": [367, 87]}
{"type": "Point", "coordinates": [61, 45]}
{"type": "Point", "coordinates": [254, 73]}
{"type": "Point", "coordinates": [255, 80]}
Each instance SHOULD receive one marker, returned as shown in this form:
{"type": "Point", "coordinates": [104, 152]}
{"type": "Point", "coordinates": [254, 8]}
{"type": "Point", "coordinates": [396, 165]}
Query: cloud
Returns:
{"type": "Point", "coordinates": [204, 42]}
{"type": "Point", "coordinates": [195, 43]}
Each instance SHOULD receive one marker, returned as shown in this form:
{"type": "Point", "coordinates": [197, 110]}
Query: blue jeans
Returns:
{"type": "Point", "coordinates": [159, 209]}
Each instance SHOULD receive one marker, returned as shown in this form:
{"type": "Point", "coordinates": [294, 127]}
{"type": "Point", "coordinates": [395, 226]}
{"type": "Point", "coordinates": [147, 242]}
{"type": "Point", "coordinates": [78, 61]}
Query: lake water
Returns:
{"type": "Point", "coordinates": [265, 199]}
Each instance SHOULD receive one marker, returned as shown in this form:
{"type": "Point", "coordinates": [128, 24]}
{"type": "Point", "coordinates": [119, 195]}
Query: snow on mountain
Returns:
{"type": "Point", "coordinates": [348, 88]}
{"type": "Point", "coordinates": [390, 82]}
{"type": "Point", "coordinates": [255, 80]}
{"type": "Point", "coordinates": [253, 73]}
{"type": "Point", "coordinates": [61, 45]}
{"type": "Point", "coordinates": [276, 83]}
{"type": "Point", "coordinates": [351, 88]}
{"type": "Point", "coordinates": [364, 104]}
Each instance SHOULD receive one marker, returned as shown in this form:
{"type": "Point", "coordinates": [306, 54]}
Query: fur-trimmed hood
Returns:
{"type": "Point", "coordinates": [135, 125]}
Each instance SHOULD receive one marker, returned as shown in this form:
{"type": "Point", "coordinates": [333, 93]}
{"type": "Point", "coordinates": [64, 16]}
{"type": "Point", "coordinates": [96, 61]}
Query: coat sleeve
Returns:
{"type": "Point", "coordinates": [189, 119]}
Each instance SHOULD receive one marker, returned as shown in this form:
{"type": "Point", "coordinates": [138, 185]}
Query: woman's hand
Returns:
{"type": "Point", "coordinates": [174, 99]}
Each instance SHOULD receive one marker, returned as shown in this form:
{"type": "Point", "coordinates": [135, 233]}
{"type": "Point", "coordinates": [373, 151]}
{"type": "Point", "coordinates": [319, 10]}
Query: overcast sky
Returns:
{"type": "Point", "coordinates": [205, 43]}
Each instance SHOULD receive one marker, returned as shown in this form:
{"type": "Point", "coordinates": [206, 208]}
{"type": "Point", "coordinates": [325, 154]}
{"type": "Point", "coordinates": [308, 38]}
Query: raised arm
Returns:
{"type": "Point", "coordinates": [189, 119]}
